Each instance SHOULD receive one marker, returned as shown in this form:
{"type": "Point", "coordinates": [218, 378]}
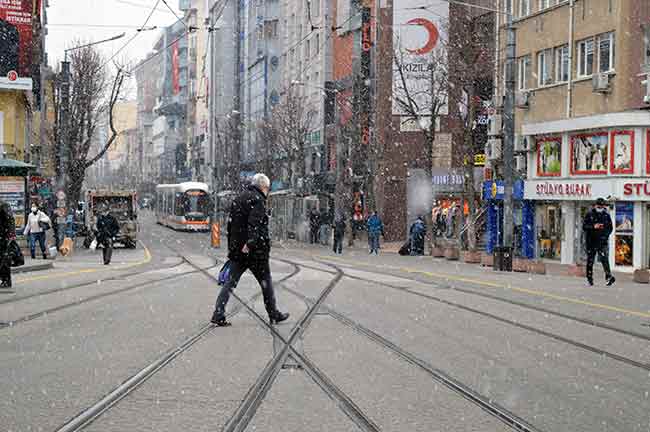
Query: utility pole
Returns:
{"type": "Point", "coordinates": [63, 124]}
{"type": "Point", "coordinates": [509, 134]}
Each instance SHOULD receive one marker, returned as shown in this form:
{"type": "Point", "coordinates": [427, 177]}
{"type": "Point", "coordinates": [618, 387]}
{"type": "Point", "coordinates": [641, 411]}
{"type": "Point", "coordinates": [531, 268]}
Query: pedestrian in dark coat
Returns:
{"type": "Point", "coordinates": [339, 226]}
{"type": "Point", "coordinates": [314, 226]}
{"type": "Point", "coordinates": [417, 233]}
{"type": "Point", "coordinates": [107, 229]}
{"type": "Point", "coordinates": [375, 229]}
{"type": "Point", "coordinates": [249, 248]}
{"type": "Point", "coordinates": [597, 227]}
{"type": "Point", "coordinates": [7, 233]}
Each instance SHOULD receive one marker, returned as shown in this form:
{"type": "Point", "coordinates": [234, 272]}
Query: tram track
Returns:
{"type": "Point", "coordinates": [489, 406]}
{"type": "Point", "coordinates": [587, 321]}
{"type": "Point", "coordinates": [94, 411]}
{"type": "Point", "coordinates": [26, 318]}
{"type": "Point", "coordinates": [576, 344]}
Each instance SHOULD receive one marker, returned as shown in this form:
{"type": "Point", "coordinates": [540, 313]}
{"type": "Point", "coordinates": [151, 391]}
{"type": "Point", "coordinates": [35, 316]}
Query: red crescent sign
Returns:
{"type": "Point", "coordinates": [12, 75]}
{"type": "Point", "coordinates": [433, 35]}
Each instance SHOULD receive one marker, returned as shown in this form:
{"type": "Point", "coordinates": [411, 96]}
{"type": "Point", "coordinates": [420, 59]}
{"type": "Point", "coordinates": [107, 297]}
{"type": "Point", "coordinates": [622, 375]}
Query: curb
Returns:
{"type": "Point", "coordinates": [32, 268]}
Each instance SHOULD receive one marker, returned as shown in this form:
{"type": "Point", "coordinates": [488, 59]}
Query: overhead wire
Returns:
{"type": "Point", "coordinates": [135, 35]}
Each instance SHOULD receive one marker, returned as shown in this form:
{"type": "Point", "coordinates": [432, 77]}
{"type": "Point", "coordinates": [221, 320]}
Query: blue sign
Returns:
{"type": "Point", "coordinates": [495, 190]}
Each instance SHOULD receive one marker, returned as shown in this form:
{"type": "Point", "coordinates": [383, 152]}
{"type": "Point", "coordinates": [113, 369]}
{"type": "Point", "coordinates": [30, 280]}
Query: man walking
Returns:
{"type": "Point", "coordinates": [597, 227]}
{"type": "Point", "coordinates": [417, 234]}
{"type": "Point", "coordinates": [375, 229]}
{"type": "Point", "coordinates": [7, 233]}
{"type": "Point", "coordinates": [314, 226]}
{"type": "Point", "coordinates": [339, 232]}
{"type": "Point", "coordinates": [249, 247]}
{"type": "Point", "coordinates": [37, 224]}
{"type": "Point", "coordinates": [107, 228]}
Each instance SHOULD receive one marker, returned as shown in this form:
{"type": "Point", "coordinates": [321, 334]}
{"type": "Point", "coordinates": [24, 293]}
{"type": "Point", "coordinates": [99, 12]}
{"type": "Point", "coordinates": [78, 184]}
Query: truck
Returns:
{"type": "Point", "coordinates": [123, 205]}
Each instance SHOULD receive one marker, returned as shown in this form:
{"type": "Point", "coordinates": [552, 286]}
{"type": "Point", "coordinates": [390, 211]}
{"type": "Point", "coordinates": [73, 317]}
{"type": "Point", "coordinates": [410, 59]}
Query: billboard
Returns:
{"type": "Point", "coordinates": [12, 191]}
{"type": "Point", "coordinates": [16, 29]}
{"type": "Point", "coordinates": [418, 40]}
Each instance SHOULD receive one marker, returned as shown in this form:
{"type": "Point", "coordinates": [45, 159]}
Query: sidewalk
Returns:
{"type": "Point", "coordinates": [33, 265]}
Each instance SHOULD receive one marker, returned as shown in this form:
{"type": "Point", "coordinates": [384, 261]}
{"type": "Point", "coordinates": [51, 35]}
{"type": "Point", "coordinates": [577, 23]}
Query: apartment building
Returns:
{"type": "Point", "coordinates": [582, 122]}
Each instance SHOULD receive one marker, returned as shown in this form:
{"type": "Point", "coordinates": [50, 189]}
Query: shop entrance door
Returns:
{"type": "Point", "coordinates": [549, 230]}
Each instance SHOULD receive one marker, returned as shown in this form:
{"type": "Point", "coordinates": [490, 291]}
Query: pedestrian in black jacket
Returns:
{"type": "Point", "coordinates": [597, 227]}
{"type": "Point", "coordinates": [7, 233]}
{"type": "Point", "coordinates": [339, 231]}
{"type": "Point", "coordinates": [107, 228]}
{"type": "Point", "coordinates": [249, 247]}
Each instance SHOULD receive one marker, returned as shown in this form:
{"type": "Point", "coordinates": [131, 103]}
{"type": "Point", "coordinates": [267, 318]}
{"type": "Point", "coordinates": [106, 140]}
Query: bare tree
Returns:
{"type": "Point", "coordinates": [93, 94]}
{"type": "Point", "coordinates": [285, 133]}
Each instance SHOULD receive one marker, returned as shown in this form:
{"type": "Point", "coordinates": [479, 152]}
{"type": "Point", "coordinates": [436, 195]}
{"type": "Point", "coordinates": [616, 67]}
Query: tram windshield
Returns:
{"type": "Point", "coordinates": [196, 202]}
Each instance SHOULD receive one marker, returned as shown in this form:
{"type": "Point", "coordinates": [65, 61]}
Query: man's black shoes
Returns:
{"type": "Point", "coordinates": [278, 317]}
{"type": "Point", "coordinates": [611, 280]}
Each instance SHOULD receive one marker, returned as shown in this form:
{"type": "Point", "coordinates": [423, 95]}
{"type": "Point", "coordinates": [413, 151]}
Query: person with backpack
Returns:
{"type": "Point", "coordinates": [37, 224]}
{"type": "Point", "coordinates": [375, 228]}
{"type": "Point", "coordinates": [416, 234]}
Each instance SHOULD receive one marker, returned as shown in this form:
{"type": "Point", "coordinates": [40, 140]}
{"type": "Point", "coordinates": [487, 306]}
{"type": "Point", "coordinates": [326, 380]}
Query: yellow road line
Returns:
{"type": "Point", "coordinates": [146, 260]}
{"type": "Point", "coordinates": [496, 285]}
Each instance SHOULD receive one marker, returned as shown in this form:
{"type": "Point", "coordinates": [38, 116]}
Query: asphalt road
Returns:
{"type": "Point", "coordinates": [376, 343]}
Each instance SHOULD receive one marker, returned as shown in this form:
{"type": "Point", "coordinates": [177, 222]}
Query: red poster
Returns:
{"type": "Point", "coordinates": [176, 82]}
{"type": "Point", "coordinates": [16, 29]}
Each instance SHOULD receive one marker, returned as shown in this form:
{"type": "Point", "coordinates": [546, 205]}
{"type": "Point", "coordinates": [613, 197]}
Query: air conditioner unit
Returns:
{"type": "Point", "coordinates": [496, 124]}
{"type": "Point", "coordinates": [520, 163]}
{"type": "Point", "coordinates": [493, 149]}
{"type": "Point", "coordinates": [521, 99]}
{"type": "Point", "coordinates": [600, 83]}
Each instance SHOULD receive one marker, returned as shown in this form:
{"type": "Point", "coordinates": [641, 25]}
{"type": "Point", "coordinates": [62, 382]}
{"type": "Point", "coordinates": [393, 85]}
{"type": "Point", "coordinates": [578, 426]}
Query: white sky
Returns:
{"type": "Point", "coordinates": [117, 15]}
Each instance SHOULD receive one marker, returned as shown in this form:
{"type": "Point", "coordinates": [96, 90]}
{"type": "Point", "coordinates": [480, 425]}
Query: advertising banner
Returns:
{"type": "Point", "coordinates": [176, 80]}
{"type": "Point", "coordinates": [418, 40]}
{"type": "Point", "coordinates": [16, 33]}
{"type": "Point", "coordinates": [12, 191]}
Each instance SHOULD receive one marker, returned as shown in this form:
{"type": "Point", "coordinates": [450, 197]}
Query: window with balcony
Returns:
{"type": "Point", "coordinates": [544, 67]}
{"type": "Point", "coordinates": [606, 52]}
{"type": "Point", "coordinates": [586, 57]}
{"type": "Point", "coordinates": [562, 63]}
{"type": "Point", "coordinates": [523, 72]}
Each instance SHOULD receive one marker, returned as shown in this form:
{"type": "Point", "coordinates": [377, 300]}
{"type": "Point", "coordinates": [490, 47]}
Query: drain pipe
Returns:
{"type": "Point", "coordinates": [569, 98]}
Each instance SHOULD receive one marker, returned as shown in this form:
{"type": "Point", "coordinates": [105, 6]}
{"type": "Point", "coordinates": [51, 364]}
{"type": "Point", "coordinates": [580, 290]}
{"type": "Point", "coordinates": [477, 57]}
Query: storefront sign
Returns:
{"type": "Point", "coordinates": [479, 159]}
{"type": "Point", "coordinates": [636, 189]}
{"type": "Point", "coordinates": [451, 181]}
{"type": "Point", "coordinates": [12, 191]}
{"type": "Point", "coordinates": [495, 190]}
{"type": "Point", "coordinates": [568, 190]}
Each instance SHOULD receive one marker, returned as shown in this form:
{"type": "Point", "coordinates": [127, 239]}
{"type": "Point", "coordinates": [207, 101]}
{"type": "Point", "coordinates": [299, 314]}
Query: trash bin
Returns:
{"type": "Point", "coordinates": [503, 258]}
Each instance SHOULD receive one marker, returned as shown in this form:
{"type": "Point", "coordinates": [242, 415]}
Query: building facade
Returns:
{"type": "Point", "coordinates": [582, 122]}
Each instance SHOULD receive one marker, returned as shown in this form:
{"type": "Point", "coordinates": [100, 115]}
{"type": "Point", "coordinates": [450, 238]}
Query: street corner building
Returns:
{"type": "Point", "coordinates": [582, 127]}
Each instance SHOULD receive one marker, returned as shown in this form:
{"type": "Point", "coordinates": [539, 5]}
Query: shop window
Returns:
{"type": "Point", "coordinates": [589, 153]}
{"type": "Point", "coordinates": [549, 156]}
{"type": "Point", "coordinates": [622, 152]}
{"type": "Point", "coordinates": [606, 52]}
{"type": "Point", "coordinates": [624, 225]}
{"type": "Point", "coordinates": [549, 230]}
{"type": "Point", "coordinates": [586, 57]}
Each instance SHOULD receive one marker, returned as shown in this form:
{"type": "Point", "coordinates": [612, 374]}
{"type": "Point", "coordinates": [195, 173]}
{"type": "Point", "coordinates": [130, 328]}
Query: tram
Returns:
{"type": "Point", "coordinates": [183, 206]}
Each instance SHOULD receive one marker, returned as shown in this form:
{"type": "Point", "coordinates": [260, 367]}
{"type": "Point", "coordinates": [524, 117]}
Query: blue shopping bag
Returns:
{"type": "Point", "coordinates": [224, 273]}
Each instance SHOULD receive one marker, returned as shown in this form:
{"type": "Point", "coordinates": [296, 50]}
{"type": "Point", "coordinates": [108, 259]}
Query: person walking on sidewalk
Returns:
{"type": "Point", "coordinates": [339, 232]}
{"type": "Point", "coordinates": [7, 233]}
{"type": "Point", "coordinates": [375, 229]}
{"type": "Point", "coordinates": [249, 247]}
{"type": "Point", "coordinates": [314, 226]}
{"type": "Point", "coordinates": [37, 224]}
{"type": "Point", "coordinates": [107, 229]}
{"type": "Point", "coordinates": [597, 227]}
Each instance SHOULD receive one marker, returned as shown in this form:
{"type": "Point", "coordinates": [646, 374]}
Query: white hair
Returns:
{"type": "Point", "coordinates": [261, 181]}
